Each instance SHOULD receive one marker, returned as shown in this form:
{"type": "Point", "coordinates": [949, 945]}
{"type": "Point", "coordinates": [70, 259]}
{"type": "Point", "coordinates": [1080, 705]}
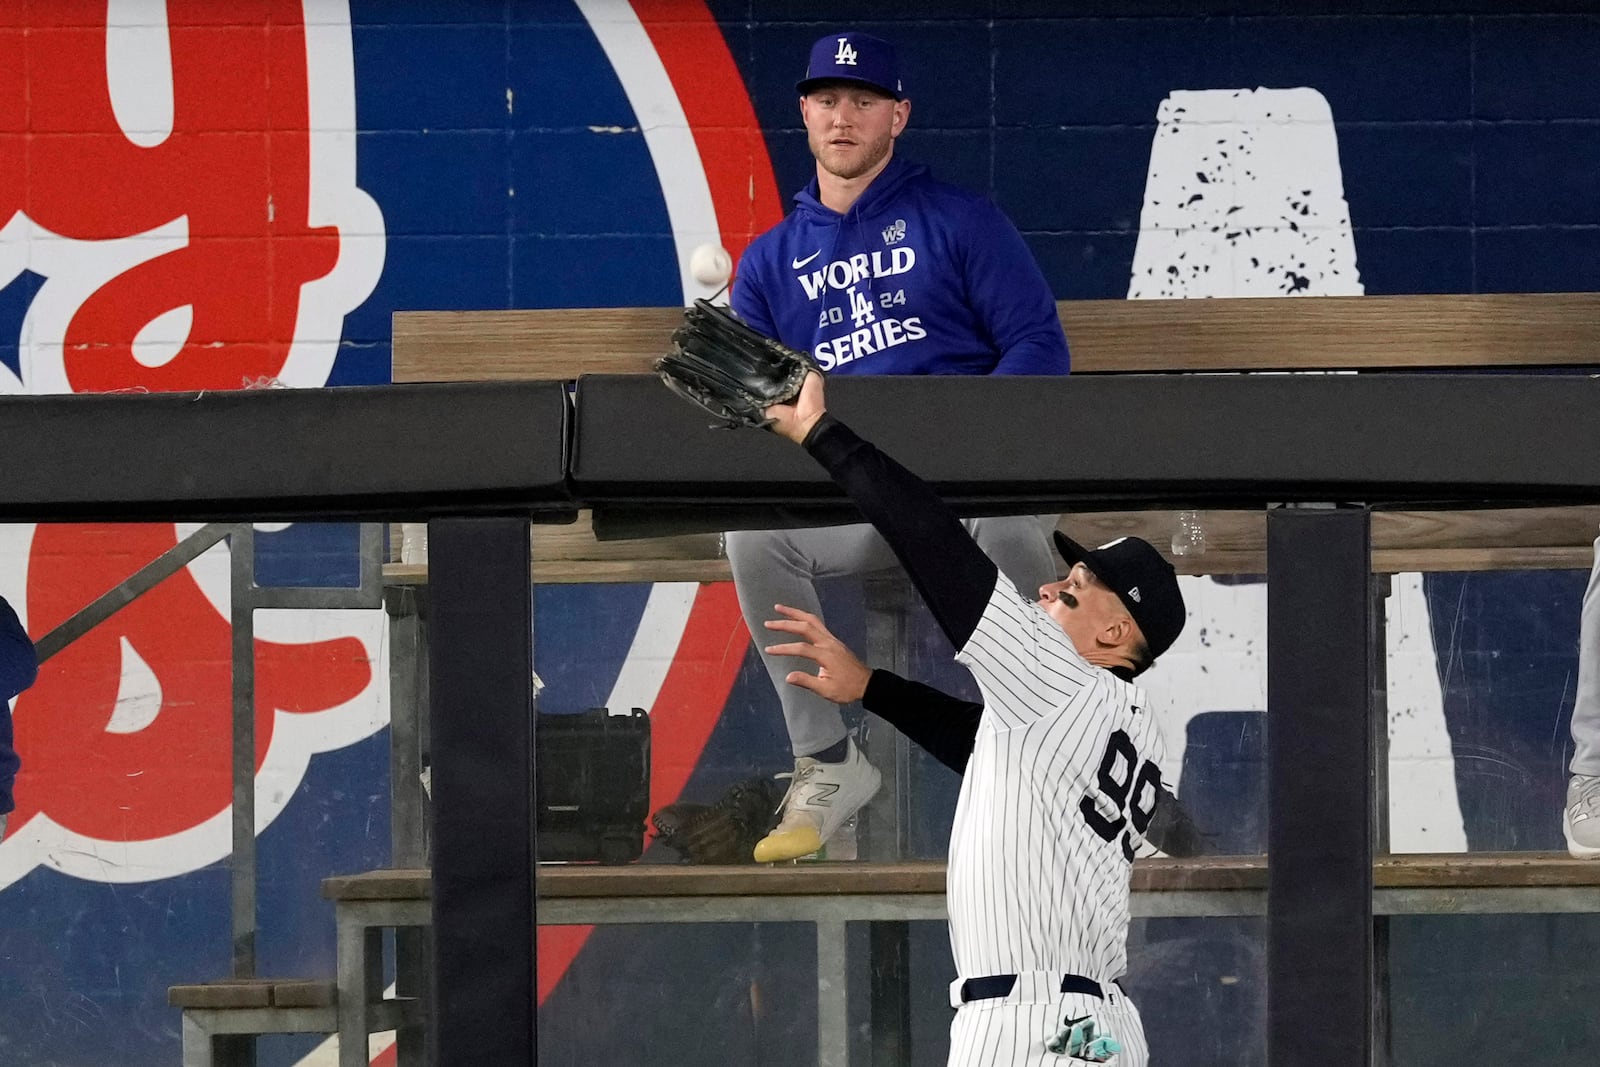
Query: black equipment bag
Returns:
{"type": "Point", "coordinates": [593, 785]}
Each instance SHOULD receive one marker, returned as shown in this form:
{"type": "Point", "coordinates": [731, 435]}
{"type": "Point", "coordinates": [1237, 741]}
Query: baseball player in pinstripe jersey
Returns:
{"type": "Point", "coordinates": [1063, 778]}
{"type": "Point", "coordinates": [941, 724]}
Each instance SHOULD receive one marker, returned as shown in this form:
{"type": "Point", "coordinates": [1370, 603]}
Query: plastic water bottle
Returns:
{"type": "Point", "coordinates": [413, 542]}
{"type": "Point", "coordinates": [1189, 539]}
{"type": "Point", "coordinates": [842, 845]}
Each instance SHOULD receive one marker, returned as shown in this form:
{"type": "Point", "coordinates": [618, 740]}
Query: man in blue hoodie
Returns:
{"type": "Point", "coordinates": [880, 269]}
{"type": "Point", "coordinates": [19, 666]}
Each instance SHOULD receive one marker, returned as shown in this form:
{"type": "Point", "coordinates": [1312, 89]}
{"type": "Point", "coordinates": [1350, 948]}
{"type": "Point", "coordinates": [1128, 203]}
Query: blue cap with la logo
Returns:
{"type": "Point", "coordinates": [853, 57]}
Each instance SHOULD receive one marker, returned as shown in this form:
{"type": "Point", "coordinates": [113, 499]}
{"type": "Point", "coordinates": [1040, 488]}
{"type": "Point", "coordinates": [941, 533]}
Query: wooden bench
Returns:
{"type": "Point", "coordinates": [593, 894]}
{"type": "Point", "coordinates": [221, 1019]}
{"type": "Point", "coordinates": [366, 905]}
{"type": "Point", "coordinates": [830, 895]}
{"type": "Point", "coordinates": [1480, 883]}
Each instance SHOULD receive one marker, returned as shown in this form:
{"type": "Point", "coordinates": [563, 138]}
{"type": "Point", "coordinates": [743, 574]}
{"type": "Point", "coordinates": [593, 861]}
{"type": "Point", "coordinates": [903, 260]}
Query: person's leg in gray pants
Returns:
{"type": "Point", "coordinates": [1581, 820]}
{"type": "Point", "coordinates": [831, 778]}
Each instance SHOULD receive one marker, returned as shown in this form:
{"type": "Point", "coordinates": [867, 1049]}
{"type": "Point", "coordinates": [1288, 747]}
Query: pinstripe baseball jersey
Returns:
{"type": "Point", "coordinates": [1056, 799]}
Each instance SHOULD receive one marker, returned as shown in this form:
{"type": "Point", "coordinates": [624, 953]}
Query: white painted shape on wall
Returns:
{"type": "Point", "coordinates": [1245, 197]}
{"type": "Point", "coordinates": [1424, 806]}
{"type": "Point", "coordinates": [138, 694]}
{"type": "Point", "coordinates": [666, 132]}
{"type": "Point", "coordinates": [139, 69]}
{"type": "Point", "coordinates": [1218, 663]}
{"type": "Point", "coordinates": [655, 644]}
{"type": "Point", "coordinates": [335, 200]}
{"type": "Point", "coordinates": [160, 340]}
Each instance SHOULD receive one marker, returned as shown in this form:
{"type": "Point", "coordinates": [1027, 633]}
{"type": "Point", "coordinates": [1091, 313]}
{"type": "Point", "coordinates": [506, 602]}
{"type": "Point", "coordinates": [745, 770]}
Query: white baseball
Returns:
{"type": "Point", "coordinates": [710, 264]}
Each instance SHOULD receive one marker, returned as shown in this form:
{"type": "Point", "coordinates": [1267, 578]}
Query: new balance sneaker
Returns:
{"type": "Point", "coordinates": [1581, 821]}
{"type": "Point", "coordinates": [821, 797]}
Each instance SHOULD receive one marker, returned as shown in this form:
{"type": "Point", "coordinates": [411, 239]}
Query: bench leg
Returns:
{"type": "Point", "coordinates": [833, 995]}
{"type": "Point", "coordinates": [202, 1048]}
{"type": "Point", "coordinates": [234, 1050]}
{"type": "Point", "coordinates": [412, 969]}
{"type": "Point", "coordinates": [360, 977]}
{"type": "Point", "coordinates": [890, 958]}
{"type": "Point", "coordinates": [196, 1044]}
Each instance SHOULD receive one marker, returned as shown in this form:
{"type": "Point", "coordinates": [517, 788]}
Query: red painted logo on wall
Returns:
{"type": "Point", "coordinates": [179, 178]}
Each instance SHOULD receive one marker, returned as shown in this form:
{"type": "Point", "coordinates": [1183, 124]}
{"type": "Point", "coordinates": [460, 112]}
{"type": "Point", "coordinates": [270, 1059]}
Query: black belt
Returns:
{"type": "Point", "coordinates": [995, 986]}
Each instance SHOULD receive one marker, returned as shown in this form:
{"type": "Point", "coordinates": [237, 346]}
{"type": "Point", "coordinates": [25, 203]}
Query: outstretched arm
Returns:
{"type": "Point", "coordinates": [946, 565]}
{"type": "Point", "coordinates": [944, 725]}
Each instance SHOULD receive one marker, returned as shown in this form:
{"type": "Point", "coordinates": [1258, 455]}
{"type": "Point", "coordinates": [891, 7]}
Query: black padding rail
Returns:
{"type": "Point", "coordinates": [1135, 440]}
{"type": "Point", "coordinates": [379, 452]}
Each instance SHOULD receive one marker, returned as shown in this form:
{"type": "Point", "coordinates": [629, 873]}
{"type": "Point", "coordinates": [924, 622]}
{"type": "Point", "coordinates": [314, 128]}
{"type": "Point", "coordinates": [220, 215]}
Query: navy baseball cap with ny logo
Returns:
{"type": "Point", "coordinates": [853, 57]}
{"type": "Point", "coordinates": [1143, 580]}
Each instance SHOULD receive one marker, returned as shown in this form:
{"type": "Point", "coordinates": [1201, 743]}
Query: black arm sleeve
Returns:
{"type": "Point", "coordinates": [954, 576]}
{"type": "Point", "coordinates": [944, 725]}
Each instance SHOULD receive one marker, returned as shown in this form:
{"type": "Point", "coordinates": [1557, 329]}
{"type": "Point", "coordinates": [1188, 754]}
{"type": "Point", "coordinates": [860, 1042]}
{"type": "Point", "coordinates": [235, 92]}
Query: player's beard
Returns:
{"type": "Point", "coordinates": [861, 158]}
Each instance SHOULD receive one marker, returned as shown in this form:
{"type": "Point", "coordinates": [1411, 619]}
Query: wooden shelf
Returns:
{"type": "Point", "coordinates": [1483, 540]}
{"type": "Point", "coordinates": [1464, 871]}
{"type": "Point", "coordinates": [1458, 330]}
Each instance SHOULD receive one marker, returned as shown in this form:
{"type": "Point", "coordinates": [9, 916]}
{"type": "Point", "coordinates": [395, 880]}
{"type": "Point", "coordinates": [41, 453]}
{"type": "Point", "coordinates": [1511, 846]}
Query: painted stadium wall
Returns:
{"type": "Point", "coordinates": [220, 195]}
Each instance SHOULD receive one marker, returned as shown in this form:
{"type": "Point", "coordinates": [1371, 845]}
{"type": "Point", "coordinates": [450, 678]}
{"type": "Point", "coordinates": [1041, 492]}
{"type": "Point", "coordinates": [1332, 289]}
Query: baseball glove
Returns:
{"type": "Point", "coordinates": [729, 370]}
{"type": "Point", "coordinates": [724, 832]}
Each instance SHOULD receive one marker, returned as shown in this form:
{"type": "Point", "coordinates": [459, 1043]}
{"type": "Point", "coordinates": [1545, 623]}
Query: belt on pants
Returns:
{"type": "Point", "coordinates": [995, 986]}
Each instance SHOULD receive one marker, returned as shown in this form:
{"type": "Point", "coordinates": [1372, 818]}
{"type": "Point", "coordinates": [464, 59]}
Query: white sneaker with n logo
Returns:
{"type": "Point", "coordinates": [1581, 819]}
{"type": "Point", "coordinates": [821, 798]}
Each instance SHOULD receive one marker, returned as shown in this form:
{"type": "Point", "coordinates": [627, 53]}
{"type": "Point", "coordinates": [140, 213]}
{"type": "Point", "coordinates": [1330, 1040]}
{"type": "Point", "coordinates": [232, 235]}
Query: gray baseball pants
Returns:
{"type": "Point", "coordinates": [1586, 707]}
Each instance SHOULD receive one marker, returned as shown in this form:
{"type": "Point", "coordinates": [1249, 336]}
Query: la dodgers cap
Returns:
{"type": "Point", "coordinates": [854, 57]}
{"type": "Point", "coordinates": [1143, 580]}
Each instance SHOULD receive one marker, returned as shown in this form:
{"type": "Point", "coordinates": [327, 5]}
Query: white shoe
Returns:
{"type": "Point", "coordinates": [1581, 819]}
{"type": "Point", "coordinates": [821, 798]}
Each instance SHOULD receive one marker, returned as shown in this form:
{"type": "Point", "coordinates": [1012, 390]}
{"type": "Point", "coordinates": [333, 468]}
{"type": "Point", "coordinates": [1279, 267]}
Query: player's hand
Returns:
{"type": "Point", "coordinates": [795, 420]}
{"type": "Point", "coordinates": [842, 677]}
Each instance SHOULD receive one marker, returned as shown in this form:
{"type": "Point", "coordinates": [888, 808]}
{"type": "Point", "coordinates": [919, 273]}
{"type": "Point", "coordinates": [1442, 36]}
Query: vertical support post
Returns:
{"type": "Point", "coordinates": [242, 862]}
{"type": "Point", "coordinates": [1319, 766]}
{"type": "Point", "coordinates": [833, 999]}
{"type": "Point", "coordinates": [890, 958]}
{"type": "Point", "coordinates": [888, 822]}
{"type": "Point", "coordinates": [481, 725]}
{"type": "Point", "coordinates": [885, 821]}
{"type": "Point", "coordinates": [406, 606]}
{"type": "Point", "coordinates": [1382, 586]}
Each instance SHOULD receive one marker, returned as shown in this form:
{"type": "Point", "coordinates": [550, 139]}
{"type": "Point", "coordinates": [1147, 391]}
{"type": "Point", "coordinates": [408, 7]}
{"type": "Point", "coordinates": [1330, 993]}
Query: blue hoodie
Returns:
{"type": "Point", "coordinates": [19, 666]}
{"type": "Point", "coordinates": [918, 277]}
